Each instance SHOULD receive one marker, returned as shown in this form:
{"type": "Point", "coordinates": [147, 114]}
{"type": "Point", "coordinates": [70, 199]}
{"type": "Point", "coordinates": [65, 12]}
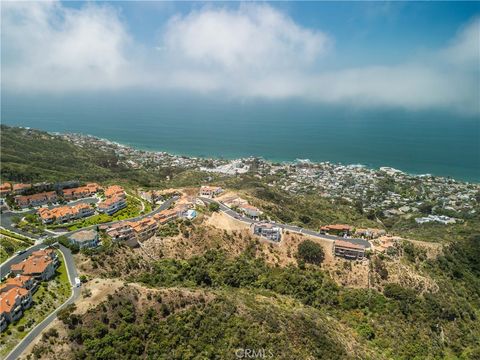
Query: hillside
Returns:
{"type": "Point", "coordinates": [33, 156]}
{"type": "Point", "coordinates": [207, 287]}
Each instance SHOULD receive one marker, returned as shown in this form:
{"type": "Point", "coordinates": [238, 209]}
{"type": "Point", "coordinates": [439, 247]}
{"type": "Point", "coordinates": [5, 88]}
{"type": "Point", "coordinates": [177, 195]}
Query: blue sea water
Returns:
{"type": "Point", "coordinates": [419, 142]}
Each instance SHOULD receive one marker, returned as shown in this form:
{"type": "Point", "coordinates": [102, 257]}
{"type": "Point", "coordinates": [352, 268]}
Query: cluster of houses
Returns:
{"type": "Point", "coordinates": [16, 292]}
{"type": "Point", "coordinates": [27, 195]}
{"type": "Point", "coordinates": [115, 200]}
{"type": "Point", "coordinates": [442, 219]}
{"type": "Point", "coordinates": [31, 195]}
{"type": "Point", "coordinates": [133, 232]}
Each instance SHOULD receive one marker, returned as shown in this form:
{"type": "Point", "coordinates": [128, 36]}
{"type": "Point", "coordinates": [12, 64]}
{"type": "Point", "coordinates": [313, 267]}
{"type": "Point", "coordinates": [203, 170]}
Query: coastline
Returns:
{"type": "Point", "coordinates": [471, 179]}
{"type": "Point", "coordinates": [268, 160]}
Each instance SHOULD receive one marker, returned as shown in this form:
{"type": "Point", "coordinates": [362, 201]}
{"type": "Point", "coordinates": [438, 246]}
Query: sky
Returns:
{"type": "Point", "coordinates": [410, 55]}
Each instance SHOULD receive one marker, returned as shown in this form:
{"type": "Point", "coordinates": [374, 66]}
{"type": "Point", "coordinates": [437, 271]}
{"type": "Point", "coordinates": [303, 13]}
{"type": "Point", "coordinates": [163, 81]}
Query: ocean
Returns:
{"type": "Point", "coordinates": [418, 142]}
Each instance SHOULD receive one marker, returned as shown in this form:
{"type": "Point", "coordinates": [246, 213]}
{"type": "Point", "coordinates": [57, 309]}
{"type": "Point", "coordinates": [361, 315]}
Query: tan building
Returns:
{"type": "Point", "coordinates": [36, 199]}
{"type": "Point", "coordinates": [40, 265]}
{"type": "Point", "coordinates": [144, 229]}
{"type": "Point", "coordinates": [122, 232]}
{"type": "Point", "coordinates": [348, 250]}
{"type": "Point", "coordinates": [80, 192]}
{"type": "Point", "coordinates": [111, 205]}
{"type": "Point", "coordinates": [13, 302]}
{"type": "Point", "coordinates": [65, 214]}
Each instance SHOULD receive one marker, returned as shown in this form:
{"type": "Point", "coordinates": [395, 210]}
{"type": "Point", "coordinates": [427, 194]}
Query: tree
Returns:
{"type": "Point", "coordinates": [310, 252]}
{"type": "Point", "coordinates": [213, 206]}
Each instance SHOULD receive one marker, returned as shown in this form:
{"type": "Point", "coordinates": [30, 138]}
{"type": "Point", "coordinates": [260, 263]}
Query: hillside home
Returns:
{"type": "Point", "coordinates": [84, 239]}
{"type": "Point", "coordinates": [21, 281]}
{"type": "Point", "coordinates": [165, 216]}
{"type": "Point", "coordinates": [112, 205]}
{"type": "Point", "coordinates": [80, 192]}
{"type": "Point", "coordinates": [348, 250]}
{"type": "Point", "coordinates": [336, 229]}
{"type": "Point", "coordinates": [250, 211]}
{"type": "Point", "coordinates": [13, 302]}
{"type": "Point", "coordinates": [267, 230]}
{"type": "Point", "coordinates": [5, 189]}
{"type": "Point", "coordinates": [115, 191]}
{"type": "Point", "coordinates": [65, 214]}
{"type": "Point", "coordinates": [144, 229]}
{"type": "Point", "coordinates": [40, 265]}
{"type": "Point", "coordinates": [122, 232]}
{"type": "Point", "coordinates": [19, 189]}
{"type": "Point", "coordinates": [36, 199]}
{"type": "Point", "coordinates": [210, 191]}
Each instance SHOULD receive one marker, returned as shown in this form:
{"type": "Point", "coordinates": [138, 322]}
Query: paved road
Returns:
{"type": "Point", "coordinates": [72, 274]}
{"type": "Point", "coordinates": [37, 330]}
{"type": "Point", "coordinates": [298, 229]}
{"type": "Point", "coordinates": [7, 216]}
{"type": "Point", "coordinates": [5, 267]}
{"type": "Point", "coordinates": [6, 219]}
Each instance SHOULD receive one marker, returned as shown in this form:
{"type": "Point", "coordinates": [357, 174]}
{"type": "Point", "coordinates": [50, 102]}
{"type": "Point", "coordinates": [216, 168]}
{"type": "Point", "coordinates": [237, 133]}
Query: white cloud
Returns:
{"type": "Point", "coordinates": [251, 51]}
{"type": "Point", "coordinates": [251, 38]}
{"type": "Point", "coordinates": [46, 46]}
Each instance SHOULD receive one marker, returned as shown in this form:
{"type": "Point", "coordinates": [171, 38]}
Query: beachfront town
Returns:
{"type": "Point", "coordinates": [386, 191]}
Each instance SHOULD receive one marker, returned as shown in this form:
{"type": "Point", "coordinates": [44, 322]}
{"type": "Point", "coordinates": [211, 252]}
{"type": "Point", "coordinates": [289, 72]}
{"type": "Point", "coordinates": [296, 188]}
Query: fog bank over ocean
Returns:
{"type": "Point", "coordinates": [420, 142]}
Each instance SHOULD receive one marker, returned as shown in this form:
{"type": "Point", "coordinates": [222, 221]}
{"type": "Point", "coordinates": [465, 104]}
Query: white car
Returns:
{"type": "Point", "coordinates": [77, 282]}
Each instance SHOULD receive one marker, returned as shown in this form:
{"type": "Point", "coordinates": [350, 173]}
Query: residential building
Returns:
{"type": "Point", "coordinates": [5, 189]}
{"type": "Point", "coordinates": [122, 232]}
{"type": "Point", "coordinates": [40, 265]}
{"type": "Point", "coordinates": [84, 239]}
{"type": "Point", "coordinates": [3, 320]}
{"type": "Point", "coordinates": [21, 281]}
{"type": "Point", "coordinates": [336, 229]}
{"type": "Point", "coordinates": [165, 216]}
{"type": "Point", "coordinates": [115, 191]}
{"type": "Point", "coordinates": [267, 230]}
{"type": "Point", "coordinates": [112, 205]}
{"type": "Point", "coordinates": [250, 211]}
{"type": "Point", "coordinates": [65, 214]}
{"type": "Point", "coordinates": [36, 199]}
{"type": "Point", "coordinates": [19, 189]}
{"type": "Point", "coordinates": [348, 250]}
{"type": "Point", "coordinates": [80, 192]}
{"type": "Point", "coordinates": [210, 191]}
{"type": "Point", "coordinates": [13, 302]}
{"type": "Point", "coordinates": [145, 228]}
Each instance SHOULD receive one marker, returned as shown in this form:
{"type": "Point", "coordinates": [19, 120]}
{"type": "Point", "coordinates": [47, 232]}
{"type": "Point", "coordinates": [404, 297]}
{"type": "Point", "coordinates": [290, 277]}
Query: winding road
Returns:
{"type": "Point", "coordinates": [5, 221]}
{"type": "Point", "coordinates": [37, 330]}
{"type": "Point", "coordinates": [293, 228]}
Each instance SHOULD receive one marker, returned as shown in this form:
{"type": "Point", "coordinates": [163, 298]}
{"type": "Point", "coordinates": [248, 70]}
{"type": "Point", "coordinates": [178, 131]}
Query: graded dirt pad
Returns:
{"type": "Point", "coordinates": [221, 221]}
